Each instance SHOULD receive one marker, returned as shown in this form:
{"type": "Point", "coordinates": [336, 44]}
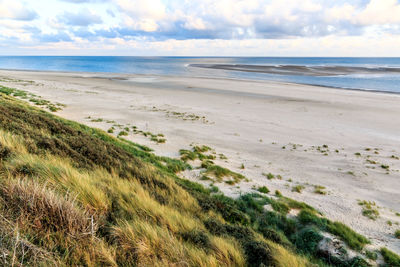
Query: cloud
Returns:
{"type": "Point", "coordinates": [380, 12]}
{"type": "Point", "coordinates": [115, 23]}
{"type": "Point", "coordinates": [82, 18]}
{"type": "Point", "coordinates": [54, 38]}
{"type": "Point", "coordinates": [10, 9]}
{"type": "Point", "coordinates": [229, 19]}
{"type": "Point", "coordinates": [83, 1]}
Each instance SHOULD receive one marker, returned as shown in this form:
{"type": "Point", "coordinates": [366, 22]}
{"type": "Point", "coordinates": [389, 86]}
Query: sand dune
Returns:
{"type": "Point", "coordinates": [347, 141]}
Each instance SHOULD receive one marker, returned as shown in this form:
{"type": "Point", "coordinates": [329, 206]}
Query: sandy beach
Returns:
{"type": "Point", "coordinates": [344, 140]}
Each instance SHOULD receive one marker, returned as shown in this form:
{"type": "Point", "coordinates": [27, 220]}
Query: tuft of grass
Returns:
{"type": "Point", "coordinates": [263, 189]}
{"type": "Point", "coordinates": [122, 133]}
{"type": "Point", "coordinates": [278, 193]}
{"type": "Point", "coordinates": [318, 189]}
{"type": "Point", "coordinates": [269, 175]}
{"type": "Point", "coordinates": [369, 209]}
{"type": "Point", "coordinates": [219, 173]}
{"type": "Point", "coordinates": [397, 234]}
{"type": "Point", "coordinates": [298, 188]}
{"type": "Point", "coordinates": [353, 239]}
{"type": "Point", "coordinates": [385, 167]}
{"type": "Point", "coordinates": [372, 255]}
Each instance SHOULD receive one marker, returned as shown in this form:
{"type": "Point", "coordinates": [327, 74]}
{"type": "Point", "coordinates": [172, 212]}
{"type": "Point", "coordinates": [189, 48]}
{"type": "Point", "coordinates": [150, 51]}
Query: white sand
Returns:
{"type": "Point", "coordinates": [250, 122]}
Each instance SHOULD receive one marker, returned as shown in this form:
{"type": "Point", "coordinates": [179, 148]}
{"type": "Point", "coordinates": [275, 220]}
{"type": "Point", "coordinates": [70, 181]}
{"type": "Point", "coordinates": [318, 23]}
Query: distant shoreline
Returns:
{"type": "Point", "coordinates": [300, 69]}
{"type": "Point", "coordinates": [120, 76]}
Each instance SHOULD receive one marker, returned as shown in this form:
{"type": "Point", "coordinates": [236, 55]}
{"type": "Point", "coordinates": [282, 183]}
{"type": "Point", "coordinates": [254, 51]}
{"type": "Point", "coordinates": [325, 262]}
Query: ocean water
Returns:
{"type": "Point", "coordinates": [181, 66]}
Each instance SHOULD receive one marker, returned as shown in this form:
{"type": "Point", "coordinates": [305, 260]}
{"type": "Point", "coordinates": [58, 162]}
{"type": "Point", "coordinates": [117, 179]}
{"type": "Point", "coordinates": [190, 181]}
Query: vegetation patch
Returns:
{"type": "Point", "coordinates": [391, 259]}
{"type": "Point", "coordinates": [298, 188]}
{"type": "Point", "coordinates": [263, 189]}
{"type": "Point", "coordinates": [37, 100]}
{"type": "Point", "coordinates": [397, 234]}
{"type": "Point", "coordinates": [219, 173]}
{"type": "Point", "coordinates": [318, 189]}
{"type": "Point", "coordinates": [369, 209]}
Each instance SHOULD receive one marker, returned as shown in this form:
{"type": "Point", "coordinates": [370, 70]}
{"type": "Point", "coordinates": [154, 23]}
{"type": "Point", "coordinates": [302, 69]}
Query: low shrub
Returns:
{"type": "Point", "coordinates": [307, 240]}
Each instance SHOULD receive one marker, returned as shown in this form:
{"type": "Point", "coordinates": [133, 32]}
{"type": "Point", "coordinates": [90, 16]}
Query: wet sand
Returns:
{"type": "Point", "coordinates": [300, 70]}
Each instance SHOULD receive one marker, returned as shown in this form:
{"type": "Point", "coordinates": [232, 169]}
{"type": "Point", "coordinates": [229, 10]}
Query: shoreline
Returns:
{"type": "Point", "coordinates": [199, 77]}
{"type": "Point", "coordinates": [299, 117]}
{"type": "Point", "coordinates": [303, 70]}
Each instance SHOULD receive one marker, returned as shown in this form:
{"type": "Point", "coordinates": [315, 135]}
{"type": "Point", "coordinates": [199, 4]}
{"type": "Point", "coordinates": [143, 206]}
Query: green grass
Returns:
{"type": "Point", "coordinates": [318, 189]}
{"type": "Point", "coordinates": [397, 234]}
{"type": "Point", "coordinates": [369, 209]}
{"type": "Point", "coordinates": [386, 167]}
{"type": "Point", "coordinates": [298, 188]}
{"type": "Point", "coordinates": [391, 259]}
{"type": "Point", "coordinates": [269, 176]}
{"type": "Point", "coordinates": [53, 107]}
{"type": "Point", "coordinates": [263, 189]}
{"type": "Point", "coordinates": [219, 173]}
{"type": "Point", "coordinates": [372, 255]}
{"type": "Point", "coordinates": [353, 239]}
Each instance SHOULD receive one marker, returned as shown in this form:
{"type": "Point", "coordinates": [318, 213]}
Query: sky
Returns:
{"type": "Point", "coordinates": [200, 27]}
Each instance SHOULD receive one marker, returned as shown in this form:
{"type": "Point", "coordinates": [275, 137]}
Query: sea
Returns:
{"type": "Point", "coordinates": [181, 66]}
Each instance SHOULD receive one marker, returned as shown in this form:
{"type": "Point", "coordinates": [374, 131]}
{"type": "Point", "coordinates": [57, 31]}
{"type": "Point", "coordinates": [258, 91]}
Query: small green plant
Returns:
{"type": "Point", "coordinates": [269, 175]}
{"type": "Point", "coordinates": [122, 133]}
{"type": "Point", "coordinates": [222, 156]}
{"type": "Point", "coordinates": [242, 166]}
{"type": "Point", "coordinates": [111, 130]}
{"type": "Point", "coordinates": [369, 209]}
{"type": "Point", "coordinates": [372, 255]}
{"type": "Point", "coordinates": [370, 161]}
{"type": "Point", "coordinates": [319, 189]}
{"type": "Point", "coordinates": [263, 189]}
{"type": "Point", "coordinates": [278, 193]}
{"type": "Point", "coordinates": [220, 172]}
{"type": "Point", "coordinates": [357, 154]}
{"type": "Point", "coordinates": [389, 223]}
{"type": "Point", "coordinates": [298, 188]}
{"type": "Point", "coordinates": [386, 167]}
{"type": "Point", "coordinates": [397, 234]}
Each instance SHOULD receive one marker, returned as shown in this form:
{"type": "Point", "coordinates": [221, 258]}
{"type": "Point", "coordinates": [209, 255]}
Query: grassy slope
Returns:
{"type": "Point", "coordinates": [70, 194]}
